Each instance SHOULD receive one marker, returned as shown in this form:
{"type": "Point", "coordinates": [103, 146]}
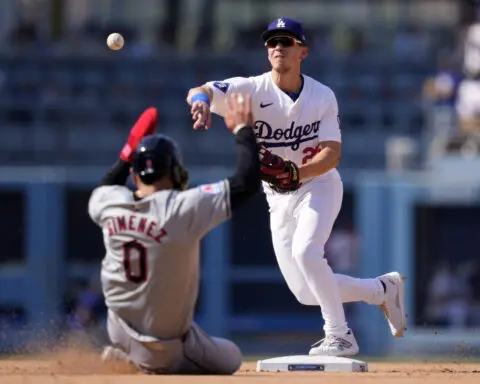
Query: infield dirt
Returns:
{"type": "Point", "coordinates": [78, 367]}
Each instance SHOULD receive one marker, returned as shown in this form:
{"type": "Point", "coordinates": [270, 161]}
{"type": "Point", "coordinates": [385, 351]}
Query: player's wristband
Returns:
{"type": "Point", "coordinates": [239, 127]}
{"type": "Point", "coordinates": [200, 97]}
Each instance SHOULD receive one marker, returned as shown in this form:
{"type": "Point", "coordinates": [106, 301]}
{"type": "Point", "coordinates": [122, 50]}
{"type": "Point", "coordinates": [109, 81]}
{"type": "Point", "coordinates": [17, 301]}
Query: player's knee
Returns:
{"type": "Point", "coordinates": [233, 360]}
{"type": "Point", "coordinates": [308, 259]}
{"type": "Point", "coordinates": [304, 296]}
{"type": "Point", "coordinates": [232, 357]}
{"type": "Point", "coordinates": [308, 253]}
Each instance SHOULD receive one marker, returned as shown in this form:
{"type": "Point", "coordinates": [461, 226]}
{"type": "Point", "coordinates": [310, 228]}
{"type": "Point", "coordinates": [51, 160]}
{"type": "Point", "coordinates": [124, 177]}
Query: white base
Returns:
{"type": "Point", "coordinates": [311, 363]}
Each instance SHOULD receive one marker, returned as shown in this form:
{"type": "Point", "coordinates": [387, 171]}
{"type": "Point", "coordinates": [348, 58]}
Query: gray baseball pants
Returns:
{"type": "Point", "coordinates": [195, 353]}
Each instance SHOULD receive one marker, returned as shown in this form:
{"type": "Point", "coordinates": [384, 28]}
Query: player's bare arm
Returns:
{"type": "Point", "coordinates": [326, 159]}
{"type": "Point", "coordinates": [469, 125]}
{"type": "Point", "coordinates": [199, 98]}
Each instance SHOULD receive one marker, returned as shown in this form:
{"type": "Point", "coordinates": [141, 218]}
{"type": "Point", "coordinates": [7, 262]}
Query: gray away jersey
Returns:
{"type": "Point", "coordinates": [150, 273]}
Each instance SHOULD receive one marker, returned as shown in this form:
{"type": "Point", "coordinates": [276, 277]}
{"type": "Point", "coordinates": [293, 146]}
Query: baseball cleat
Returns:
{"type": "Point", "coordinates": [394, 305]}
{"type": "Point", "coordinates": [111, 354]}
{"type": "Point", "coordinates": [338, 346]}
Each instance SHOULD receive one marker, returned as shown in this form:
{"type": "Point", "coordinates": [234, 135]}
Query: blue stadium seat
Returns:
{"type": "Point", "coordinates": [72, 97]}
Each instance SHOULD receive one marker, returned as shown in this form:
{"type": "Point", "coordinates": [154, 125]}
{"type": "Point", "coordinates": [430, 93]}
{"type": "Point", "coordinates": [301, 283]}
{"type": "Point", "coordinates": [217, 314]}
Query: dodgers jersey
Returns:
{"type": "Point", "coordinates": [150, 272]}
{"type": "Point", "coordinates": [291, 129]}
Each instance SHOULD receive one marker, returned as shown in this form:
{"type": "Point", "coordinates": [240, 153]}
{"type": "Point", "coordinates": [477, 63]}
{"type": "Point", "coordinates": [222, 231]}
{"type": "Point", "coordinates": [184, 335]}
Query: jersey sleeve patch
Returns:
{"type": "Point", "coordinates": [214, 188]}
{"type": "Point", "coordinates": [222, 86]}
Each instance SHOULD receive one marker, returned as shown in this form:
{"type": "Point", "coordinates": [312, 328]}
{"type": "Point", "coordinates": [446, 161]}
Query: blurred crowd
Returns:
{"type": "Point", "coordinates": [406, 80]}
{"type": "Point", "coordinates": [451, 98]}
{"type": "Point", "coordinates": [453, 298]}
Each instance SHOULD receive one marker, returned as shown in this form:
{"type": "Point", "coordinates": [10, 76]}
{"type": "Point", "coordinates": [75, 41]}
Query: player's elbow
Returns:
{"type": "Point", "coordinates": [335, 160]}
{"type": "Point", "coordinates": [333, 150]}
{"type": "Point", "coordinates": [337, 156]}
{"type": "Point", "coordinates": [243, 186]}
{"type": "Point", "coordinates": [254, 181]}
{"type": "Point", "coordinates": [252, 177]}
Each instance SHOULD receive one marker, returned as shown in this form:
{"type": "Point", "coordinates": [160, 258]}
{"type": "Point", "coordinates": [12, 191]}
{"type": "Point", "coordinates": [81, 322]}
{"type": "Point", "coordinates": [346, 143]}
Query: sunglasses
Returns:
{"type": "Point", "coordinates": [284, 41]}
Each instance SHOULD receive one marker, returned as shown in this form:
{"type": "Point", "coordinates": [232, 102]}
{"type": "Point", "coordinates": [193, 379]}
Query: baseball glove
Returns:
{"type": "Point", "coordinates": [281, 175]}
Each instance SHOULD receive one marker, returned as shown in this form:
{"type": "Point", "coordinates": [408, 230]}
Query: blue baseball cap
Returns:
{"type": "Point", "coordinates": [285, 24]}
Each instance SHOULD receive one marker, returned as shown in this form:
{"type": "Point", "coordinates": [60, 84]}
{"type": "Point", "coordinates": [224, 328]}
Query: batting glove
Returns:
{"type": "Point", "coordinates": [145, 126]}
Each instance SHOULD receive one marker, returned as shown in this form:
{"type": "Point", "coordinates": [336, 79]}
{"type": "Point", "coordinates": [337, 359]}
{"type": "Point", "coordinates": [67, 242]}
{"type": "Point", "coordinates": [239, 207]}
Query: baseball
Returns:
{"type": "Point", "coordinates": [115, 41]}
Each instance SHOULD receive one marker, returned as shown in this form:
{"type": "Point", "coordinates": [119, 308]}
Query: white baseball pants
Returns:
{"type": "Point", "coordinates": [301, 224]}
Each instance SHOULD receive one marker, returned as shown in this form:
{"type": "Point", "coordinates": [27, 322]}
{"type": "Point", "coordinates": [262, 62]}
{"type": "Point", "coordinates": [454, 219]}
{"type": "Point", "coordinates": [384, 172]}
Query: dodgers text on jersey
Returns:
{"type": "Point", "coordinates": [292, 137]}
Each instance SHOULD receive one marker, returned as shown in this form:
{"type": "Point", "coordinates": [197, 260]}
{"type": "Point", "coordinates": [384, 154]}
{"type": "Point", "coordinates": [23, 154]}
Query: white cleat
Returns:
{"type": "Point", "coordinates": [111, 354]}
{"type": "Point", "coordinates": [394, 305]}
{"type": "Point", "coordinates": [339, 346]}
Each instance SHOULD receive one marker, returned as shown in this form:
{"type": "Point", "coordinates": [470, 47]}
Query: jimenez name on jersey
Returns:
{"type": "Point", "coordinates": [132, 223]}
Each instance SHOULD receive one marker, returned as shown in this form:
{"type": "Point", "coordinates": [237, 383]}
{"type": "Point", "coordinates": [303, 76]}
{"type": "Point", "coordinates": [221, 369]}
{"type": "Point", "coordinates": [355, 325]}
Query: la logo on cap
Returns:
{"type": "Point", "coordinates": [280, 23]}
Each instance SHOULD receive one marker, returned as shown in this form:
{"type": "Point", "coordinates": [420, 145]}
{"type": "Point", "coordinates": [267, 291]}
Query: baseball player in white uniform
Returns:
{"type": "Point", "coordinates": [150, 273]}
{"type": "Point", "coordinates": [468, 99]}
{"type": "Point", "coordinates": [296, 120]}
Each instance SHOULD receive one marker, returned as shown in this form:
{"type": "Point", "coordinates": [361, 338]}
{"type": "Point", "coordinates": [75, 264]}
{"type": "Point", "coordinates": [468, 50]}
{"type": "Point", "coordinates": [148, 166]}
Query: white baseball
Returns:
{"type": "Point", "coordinates": [115, 41]}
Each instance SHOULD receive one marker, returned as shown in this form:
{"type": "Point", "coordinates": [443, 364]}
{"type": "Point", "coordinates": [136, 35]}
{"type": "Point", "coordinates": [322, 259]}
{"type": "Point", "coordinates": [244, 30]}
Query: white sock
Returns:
{"type": "Point", "coordinates": [353, 289]}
